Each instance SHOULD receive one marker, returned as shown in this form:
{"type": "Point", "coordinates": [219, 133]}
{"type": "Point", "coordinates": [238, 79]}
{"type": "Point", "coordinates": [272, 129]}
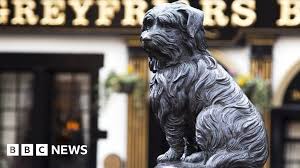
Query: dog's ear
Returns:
{"type": "Point", "coordinates": [194, 20]}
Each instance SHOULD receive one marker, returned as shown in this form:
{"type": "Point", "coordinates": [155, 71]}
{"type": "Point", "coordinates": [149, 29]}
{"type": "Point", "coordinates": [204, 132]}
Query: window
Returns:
{"type": "Point", "coordinates": [71, 105]}
{"type": "Point", "coordinates": [15, 108]}
{"type": "Point", "coordinates": [292, 145]}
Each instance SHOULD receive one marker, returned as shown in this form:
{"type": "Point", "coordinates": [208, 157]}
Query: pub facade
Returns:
{"type": "Point", "coordinates": [56, 55]}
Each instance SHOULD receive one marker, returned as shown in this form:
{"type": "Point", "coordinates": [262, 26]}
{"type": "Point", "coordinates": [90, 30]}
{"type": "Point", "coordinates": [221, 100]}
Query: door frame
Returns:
{"type": "Point", "coordinates": [39, 64]}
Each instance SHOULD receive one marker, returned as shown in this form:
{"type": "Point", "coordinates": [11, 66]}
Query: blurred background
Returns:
{"type": "Point", "coordinates": [73, 72]}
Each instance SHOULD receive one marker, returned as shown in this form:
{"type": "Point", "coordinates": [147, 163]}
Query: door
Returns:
{"type": "Point", "coordinates": [49, 99]}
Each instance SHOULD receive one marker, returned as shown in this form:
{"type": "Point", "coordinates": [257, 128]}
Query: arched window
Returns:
{"type": "Point", "coordinates": [292, 93]}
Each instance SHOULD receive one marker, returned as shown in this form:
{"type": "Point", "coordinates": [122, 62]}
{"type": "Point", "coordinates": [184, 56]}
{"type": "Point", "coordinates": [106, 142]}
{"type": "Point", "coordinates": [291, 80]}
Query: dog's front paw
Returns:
{"type": "Point", "coordinates": [188, 150]}
{"type": "Point", "coordinates": [170, 155]}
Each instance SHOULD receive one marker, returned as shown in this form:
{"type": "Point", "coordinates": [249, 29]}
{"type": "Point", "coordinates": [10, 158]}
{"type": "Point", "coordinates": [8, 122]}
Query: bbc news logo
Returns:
{"type": "Point", "coordinates": [45, 150]}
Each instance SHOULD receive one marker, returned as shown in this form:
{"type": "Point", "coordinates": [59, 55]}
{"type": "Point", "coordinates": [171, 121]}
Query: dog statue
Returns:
{"type": "Point", "coordinates": [207, 119]}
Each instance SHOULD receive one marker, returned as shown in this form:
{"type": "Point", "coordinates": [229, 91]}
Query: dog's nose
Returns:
{"type": "Point", "coordinates": [145, 37]}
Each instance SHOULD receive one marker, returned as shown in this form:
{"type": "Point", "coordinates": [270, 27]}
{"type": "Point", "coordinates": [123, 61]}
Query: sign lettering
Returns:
{"type": "Point", "coordinates": [53, 12]}
{"type": "Point", "coordinates": [289, 13]}
{"type": "Point", "coordinates": [129, 13]}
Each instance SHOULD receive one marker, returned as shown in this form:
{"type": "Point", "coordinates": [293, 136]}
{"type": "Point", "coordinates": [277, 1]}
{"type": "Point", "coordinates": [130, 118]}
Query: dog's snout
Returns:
{"type": "Point", "coordinates": [145, 37]}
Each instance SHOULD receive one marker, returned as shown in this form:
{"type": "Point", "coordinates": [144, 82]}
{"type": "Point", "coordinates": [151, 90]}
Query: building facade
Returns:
{"type": "Point", "coordinates": [251, 37]}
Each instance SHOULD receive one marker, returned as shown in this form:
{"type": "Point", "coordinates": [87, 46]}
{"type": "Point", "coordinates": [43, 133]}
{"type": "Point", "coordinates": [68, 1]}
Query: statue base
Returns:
{"type": "Point", "coordinates": [177, 164]}
{"type": "Point", "coordinates": [169, 165]}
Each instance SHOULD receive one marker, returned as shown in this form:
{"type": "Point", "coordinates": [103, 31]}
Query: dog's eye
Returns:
{"type": "Point", "coordinates": [147, 23]}
{"type": "Point", "coordinates": [164, 24]}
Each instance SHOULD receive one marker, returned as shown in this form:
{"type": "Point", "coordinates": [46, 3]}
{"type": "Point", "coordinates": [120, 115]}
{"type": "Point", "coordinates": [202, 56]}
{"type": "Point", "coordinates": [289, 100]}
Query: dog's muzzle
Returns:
{"type": "Point", "coordinates": [146, 40]}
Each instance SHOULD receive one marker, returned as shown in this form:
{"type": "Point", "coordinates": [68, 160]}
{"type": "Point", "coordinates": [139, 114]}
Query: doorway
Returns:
{"type": "Point", "coordinates": [285, 140]}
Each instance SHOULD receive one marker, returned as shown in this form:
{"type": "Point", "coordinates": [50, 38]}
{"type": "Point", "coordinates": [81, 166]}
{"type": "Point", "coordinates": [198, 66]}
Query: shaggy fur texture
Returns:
{"type": "Point", "coordinates": [207, 119]}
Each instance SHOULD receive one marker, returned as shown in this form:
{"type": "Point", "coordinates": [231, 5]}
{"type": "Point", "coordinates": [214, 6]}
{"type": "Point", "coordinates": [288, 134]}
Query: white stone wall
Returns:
{"type": "Point", "coordinates": [113, 116]}
{"type": "Point", "coordinates": [236, 59]}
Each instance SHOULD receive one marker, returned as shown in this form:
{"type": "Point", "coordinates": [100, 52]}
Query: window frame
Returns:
{"type": "Point", "coordinates": [43, 66]}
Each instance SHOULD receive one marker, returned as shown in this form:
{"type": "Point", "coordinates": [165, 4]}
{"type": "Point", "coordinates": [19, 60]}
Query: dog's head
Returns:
{"type": "Point", "coordinates": [171, 33]}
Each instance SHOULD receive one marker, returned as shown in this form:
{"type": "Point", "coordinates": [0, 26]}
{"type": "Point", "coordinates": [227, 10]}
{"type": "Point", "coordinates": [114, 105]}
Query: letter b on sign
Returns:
{"type": "Point", "coordinates": [27, 149]}
{"type": "Point", "coordinates": [12, 149]}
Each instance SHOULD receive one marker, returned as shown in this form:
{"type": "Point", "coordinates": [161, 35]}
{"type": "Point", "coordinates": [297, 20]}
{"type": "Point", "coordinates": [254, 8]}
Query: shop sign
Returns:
{"type": "Point", "coordinates": [223, 18]}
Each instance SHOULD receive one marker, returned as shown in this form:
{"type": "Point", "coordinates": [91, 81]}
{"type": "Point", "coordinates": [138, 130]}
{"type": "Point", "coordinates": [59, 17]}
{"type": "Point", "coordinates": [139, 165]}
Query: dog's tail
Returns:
{"type": "Point", "coordinates": [236, 159]}
{"type": "Point", "coordinates": [224, 159]}
{"type": "Point", "coordinates": [254, 155]}
{"type": "Point", "coordinates": [237, 135]}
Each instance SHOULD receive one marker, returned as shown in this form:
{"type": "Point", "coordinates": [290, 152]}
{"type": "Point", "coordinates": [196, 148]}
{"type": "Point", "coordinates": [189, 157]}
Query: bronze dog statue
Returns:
{"type": "Point", "coordinates": [207, 119]}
